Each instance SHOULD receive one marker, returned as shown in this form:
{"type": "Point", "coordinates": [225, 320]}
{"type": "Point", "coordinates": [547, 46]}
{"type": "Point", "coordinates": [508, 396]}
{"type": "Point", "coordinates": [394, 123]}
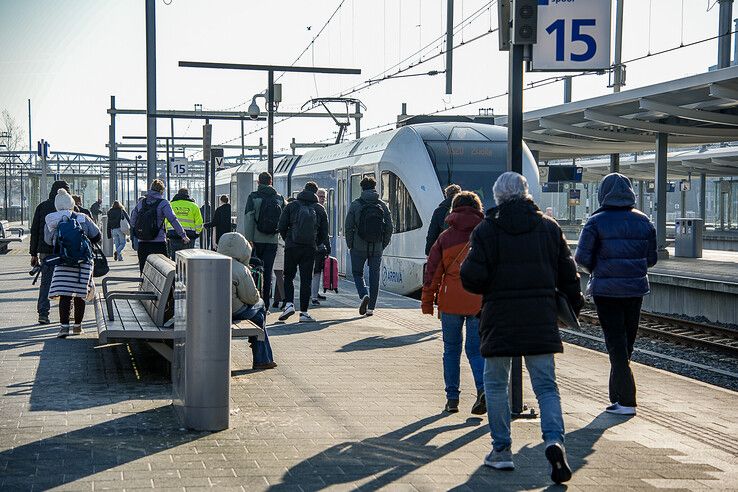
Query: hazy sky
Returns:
{"type": "Point", "coordinates": [69, 56]}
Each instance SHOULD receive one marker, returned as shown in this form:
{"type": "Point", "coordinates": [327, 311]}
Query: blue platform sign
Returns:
{"type": "Point", "coordinates": [573, 35]}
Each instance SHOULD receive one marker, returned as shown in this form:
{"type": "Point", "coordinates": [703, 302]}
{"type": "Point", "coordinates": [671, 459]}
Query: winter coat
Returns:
{"type": "Point", "coordinates": [163, 211]}
{"type": "Point", "coordinates": [437, 223]}
{"type": "Point", "coordinates": [37, 244]}
{"type": "Point", "coordinates": [188, 214]}
{"type": "Point", "coordinates": [618, 243]}
{"type": "Point", "coordinates": [83, 210]}
{"type": "Point", "coordinates": [221, 221]}
{"type": "Point", "coordinates": [288, 220]}
{"type": "Point", "coordinates": [253, 205]}
{"type": "Point", "coordinates": [95, 210]}
{"type": "Point", "coordinates": [442, 272]}
{"type": "Point", "coordinates": [518, 259]}
{"type": "Point", "coordinates": [243, 288]}
{"type": "Point", "coordinates": [353, 240]}
{"type": "Point", "coordinates": [115, 215]}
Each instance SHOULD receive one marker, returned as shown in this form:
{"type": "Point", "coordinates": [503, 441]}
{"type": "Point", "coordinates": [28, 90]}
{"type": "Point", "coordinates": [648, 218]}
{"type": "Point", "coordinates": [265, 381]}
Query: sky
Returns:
{"type": "Point", "coordinates": [70, 56]}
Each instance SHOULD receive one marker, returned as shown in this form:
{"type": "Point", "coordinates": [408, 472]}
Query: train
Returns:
{"type": "Point", "coordinates": [412, 164]}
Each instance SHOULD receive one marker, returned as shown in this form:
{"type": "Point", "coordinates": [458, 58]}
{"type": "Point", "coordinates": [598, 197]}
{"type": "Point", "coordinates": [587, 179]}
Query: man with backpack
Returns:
{"type": "Point", "coordinates": [190, 219]}
{"type": "Point", "coordinates": [147, 223]}
{"type": "Point", "coordinates": [261, 227]}
{"type": "Point", "coordinates": [438, 219]}
{"type": "Point", "coordinates": [303, 226]}
{"type": "Point", "coordinates": [368, 233]}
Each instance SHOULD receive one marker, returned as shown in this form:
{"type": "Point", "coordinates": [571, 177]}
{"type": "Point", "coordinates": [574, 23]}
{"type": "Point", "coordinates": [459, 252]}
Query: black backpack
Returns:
{"type": "Point", "coordinates": [371, 222]}
{"type": "Point", "coordinates": [147, 222]}
{"type": "Point", "coordinates": [306, 224]}
{"type": "Point", "coordinates": [270, 210]}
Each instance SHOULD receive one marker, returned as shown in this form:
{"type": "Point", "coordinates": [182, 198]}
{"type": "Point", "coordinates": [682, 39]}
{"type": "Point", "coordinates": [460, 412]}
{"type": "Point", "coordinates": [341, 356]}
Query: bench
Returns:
{"type": "Point", "coordinates": [147, 314]}
{"type": "Point", "coordinates": [6, 235]}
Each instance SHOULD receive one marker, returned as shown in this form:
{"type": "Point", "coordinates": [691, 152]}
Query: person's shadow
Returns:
{"type": "Point", "coordinates": [380, 342]}
{"type": "Point", "coordinates": [387, 457]}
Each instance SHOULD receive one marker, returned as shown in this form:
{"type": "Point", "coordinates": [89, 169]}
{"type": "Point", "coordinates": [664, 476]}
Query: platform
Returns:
{"type": "Point", "coordinates": [354, 403]}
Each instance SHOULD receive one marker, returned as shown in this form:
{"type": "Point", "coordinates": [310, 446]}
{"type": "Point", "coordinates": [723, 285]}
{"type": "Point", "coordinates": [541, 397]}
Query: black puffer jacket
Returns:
{"type": "Point", "coordinates": [115, 215]}
{"type": "Point", "coordinates": [37, 244]}
{"type": "Point", "coordinates": [518, 259]}
{"type": "Point", "coordinates": [288, 219]}
{"type": "Point", "coordinates": [437, 223]}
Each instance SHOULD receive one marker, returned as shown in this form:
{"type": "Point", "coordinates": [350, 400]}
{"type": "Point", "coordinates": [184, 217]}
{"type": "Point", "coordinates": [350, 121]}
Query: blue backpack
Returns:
{"type": "Point", "coordinates": [72, 245]}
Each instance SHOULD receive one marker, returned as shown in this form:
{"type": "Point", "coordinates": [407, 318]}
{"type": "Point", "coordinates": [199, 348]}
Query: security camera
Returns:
{"type": "Point", "coordinates": [254, 110]}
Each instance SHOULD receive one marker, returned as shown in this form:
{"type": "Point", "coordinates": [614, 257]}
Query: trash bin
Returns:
{"type": "Point", "coordinates": [107, 242]}
{"type": "Point", "coordinates": [688, 238]}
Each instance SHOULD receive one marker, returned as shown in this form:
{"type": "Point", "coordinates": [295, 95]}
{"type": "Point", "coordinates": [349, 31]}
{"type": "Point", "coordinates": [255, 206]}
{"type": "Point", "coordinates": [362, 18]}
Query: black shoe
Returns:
{"type": "Point", "coordinates": [322, 297]}
{"type": "Point", "coordinates": [275, 304]}
{"type": "Point", "coordinates": [315, 302]}
{"type": "Point", "coordinates": [452, 406]}
{"type": "Point", "coordinates": [364, 305]}
{"type": "Point", "coordinates": [480, 406]}
{"type": "Point", "coordinates": [560, 471]}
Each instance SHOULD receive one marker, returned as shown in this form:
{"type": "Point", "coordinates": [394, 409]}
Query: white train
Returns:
{"type": "Point", "coordinates": [412, 165]}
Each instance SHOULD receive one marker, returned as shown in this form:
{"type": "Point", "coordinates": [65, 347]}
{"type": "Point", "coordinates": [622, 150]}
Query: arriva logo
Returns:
{"type": "Point", "coordinates": [391, 276]}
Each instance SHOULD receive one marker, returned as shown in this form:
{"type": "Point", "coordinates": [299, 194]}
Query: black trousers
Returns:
{"type": "Point", "coordinates": [146, 248]}
{"type": "Point", "coordinates": [619, 318]}
{"type": "Point", "coordinates": [302, 257]}
{"type": "Point", "coordinates": [65, 309]}
{"type": "Point", "coordinates": [266, 252]}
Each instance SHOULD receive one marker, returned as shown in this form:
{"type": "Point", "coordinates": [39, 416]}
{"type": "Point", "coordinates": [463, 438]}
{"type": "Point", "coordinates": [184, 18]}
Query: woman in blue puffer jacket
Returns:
{"type": "Point", "coordinates": [617, 246]}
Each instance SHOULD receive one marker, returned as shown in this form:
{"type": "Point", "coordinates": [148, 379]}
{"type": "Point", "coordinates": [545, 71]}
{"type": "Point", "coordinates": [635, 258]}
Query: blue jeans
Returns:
{"type": "Point", "coordinates": [119, 240]}
{"type": "Point", "coordinates": [260, 350]}
{"type": "Point", "coordinates": [43, 305]}
{"type": "Point", "coordinates": [451, 326]}
{"type": "Point", "coordinates": [358, 259]}
{"type": "Point", "coordinates": [542, 370]}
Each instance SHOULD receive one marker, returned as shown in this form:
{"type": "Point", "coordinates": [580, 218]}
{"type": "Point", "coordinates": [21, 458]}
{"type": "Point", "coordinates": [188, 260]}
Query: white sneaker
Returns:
{"type": "Point", "coordinates": [364, 305]}
{"type": "Point", "coordinates": [618, 409]}
{"type": "Point", "coordinates": [289, 310]}
{"type": "Point", "coordinates": [306, 318]}
{"type": "Point", "coordinates": [500, 460]}
{"type": "Point", "coordinates": [370, 312]}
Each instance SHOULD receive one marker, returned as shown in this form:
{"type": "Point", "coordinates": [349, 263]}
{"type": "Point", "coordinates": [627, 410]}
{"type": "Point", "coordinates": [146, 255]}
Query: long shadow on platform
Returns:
{"type": "Point", "coordinates": [378, 342]}
{"type": "Point", "coordinates": [71, 456]}
{"type": "Point", "coordinates": [281, 328]}
{"type": "Point", "coordinates": [388, 457]}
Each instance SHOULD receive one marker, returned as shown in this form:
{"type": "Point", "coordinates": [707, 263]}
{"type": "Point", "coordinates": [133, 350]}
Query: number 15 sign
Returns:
{"type": "Point", "coordinates": [573, 35]}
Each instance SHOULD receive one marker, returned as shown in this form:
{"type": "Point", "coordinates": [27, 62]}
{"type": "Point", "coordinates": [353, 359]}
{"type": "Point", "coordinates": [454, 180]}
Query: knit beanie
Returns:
{"type": "Point", "coordinates": [63, 200]}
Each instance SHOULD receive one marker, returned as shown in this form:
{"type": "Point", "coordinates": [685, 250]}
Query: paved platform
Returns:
{"type": "Point", "coordinates": [354, 404]}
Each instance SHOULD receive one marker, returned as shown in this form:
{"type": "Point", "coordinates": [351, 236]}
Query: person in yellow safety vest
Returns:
{"type": "Point", "coordinates": [189, 216]}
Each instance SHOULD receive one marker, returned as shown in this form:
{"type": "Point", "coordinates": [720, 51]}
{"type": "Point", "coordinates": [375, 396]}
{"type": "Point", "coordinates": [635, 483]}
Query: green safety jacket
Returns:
{"type": "Point", "coordinates": [188, 214]}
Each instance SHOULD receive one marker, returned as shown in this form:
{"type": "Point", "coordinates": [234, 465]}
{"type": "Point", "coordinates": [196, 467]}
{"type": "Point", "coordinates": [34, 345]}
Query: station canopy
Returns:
{"type": "Point", "coordinates": [693, 111]}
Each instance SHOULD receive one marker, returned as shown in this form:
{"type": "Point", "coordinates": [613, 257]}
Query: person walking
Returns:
{"type": "Point", "coordinates": [245, 300]}
{"type": "Point", "coordinates": [221, 219]}
{"type": "Point", "coordinates": [456, 306]}
{"type": "Point", "coordinates": [518, 261]}
{"type": "Point", "coordinates": [78, 206]}
{"type": "Point", "coordinates": [72, 279]}
{"type": "Point", "coordinates": [263, 211]}
{"type": "Point", "coordinates": [368, 230]}
{"type": "Point", "coordinates": [147, 223]}
{"type": "Point", "coordinates": [116, 215]}
{"type": "Point", "coordinates": [40, 250]}
{"type": "Point", "coordinates": [279, 302]}
{"type": "Point", "coordinates": [324, 251]}
{"type": "Point", "coordinates": [303, 225]}
{"type": "Point", "coordinates": [617, 246]}
{"type": "Point", "coordinates": [190, 219]}
{"type": "Point", "coordinates": [95, 209]}
{"type": "Point", "coordinates": [438, 219]}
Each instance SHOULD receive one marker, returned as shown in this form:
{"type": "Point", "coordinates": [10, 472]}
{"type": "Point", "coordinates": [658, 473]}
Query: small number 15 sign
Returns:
{"type": "Point", "coordinates": [573, 35]}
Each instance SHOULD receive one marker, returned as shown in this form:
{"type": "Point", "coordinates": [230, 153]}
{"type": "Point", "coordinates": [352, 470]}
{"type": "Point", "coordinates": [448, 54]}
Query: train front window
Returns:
{"type": "Point", "coordinates": [473, 165]}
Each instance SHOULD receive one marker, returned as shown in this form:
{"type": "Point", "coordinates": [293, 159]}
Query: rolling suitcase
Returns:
{"type": "Point", "coordinates": [330, 274]}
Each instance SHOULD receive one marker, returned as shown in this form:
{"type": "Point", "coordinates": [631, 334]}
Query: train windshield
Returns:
{"type": "Point", "coordinates": [473, 164]}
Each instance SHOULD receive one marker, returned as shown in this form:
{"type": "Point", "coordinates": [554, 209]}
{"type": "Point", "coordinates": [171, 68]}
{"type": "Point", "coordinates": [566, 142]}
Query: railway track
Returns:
{"type": "Point", "coordinates": [682, 331]}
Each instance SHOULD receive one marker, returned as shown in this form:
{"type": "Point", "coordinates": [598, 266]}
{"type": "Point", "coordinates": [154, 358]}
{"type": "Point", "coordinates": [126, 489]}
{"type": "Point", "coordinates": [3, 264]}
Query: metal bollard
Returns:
{"type": "Point", "coordinates": [201, 368]}
{"type": "Point", "coordinates": [107, 242]}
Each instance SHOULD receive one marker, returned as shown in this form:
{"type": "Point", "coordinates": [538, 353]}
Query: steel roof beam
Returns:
{"type": "Point", "coordinates": [723, 92]}
{"type": "Point", "coordinates": [717, 134]}
{"type": "Point", "coordinates": [619, 137]}
{"type": "Point", "coordinates": [585, 143]}
{"type": "Point", "coordinates": [689, 114]}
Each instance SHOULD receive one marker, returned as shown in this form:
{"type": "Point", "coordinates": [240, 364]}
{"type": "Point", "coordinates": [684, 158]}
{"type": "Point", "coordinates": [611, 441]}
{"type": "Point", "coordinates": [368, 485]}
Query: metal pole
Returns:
{"type": "Point", "coordinates": [243, 151]}
{"type": "Point", "coordinates": [135, 183]}
{"type": "Point", "coordinates": [5, 183]}
{"type": "Point", "coordinates": [270, 124]}
{"type": "Point", "coordinates": [662, 140]}
{"type": "Point", "coordinates": [449, 44]}
{"type": "Point", "coordinates": [617, 62]}
{"type": "Point", "coordinates": [261, 149]}
{"type": "Point", "coordinates": [641, 194]}
{"type": "Point", "coordinates": [703, 194]}
{"type": "Point", "coordinates": [150, 90]}
{"type": "Point", "coordinates": [357, 110]}
{"type": "Point", "coordinates": [211, 211]}
{"type": "Point", "coordinates": [30, 141]}
{"type": "Point", "coordinates": [614, 163]}
{"type": "Point", "coordinates": [724, 28]}
{"type": "Point", "coordinates": [515, 110]}
{"type": "Point", "coordinates": [683, 204]}
{"type": "Point", "coordinates": [168, 166]}
{"type": "Point", "coordinates": [44, 173]}
{"type": "Point", "coordinates": [567, 89]}
{"type": "Point", "coordinates": [22, 186]}
{"type": "Point", "coordinates": [113, 158]}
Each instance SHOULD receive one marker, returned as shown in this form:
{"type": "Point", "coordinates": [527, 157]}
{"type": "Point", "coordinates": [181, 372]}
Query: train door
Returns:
{"type": "Point", "coordinates": [340, 210]}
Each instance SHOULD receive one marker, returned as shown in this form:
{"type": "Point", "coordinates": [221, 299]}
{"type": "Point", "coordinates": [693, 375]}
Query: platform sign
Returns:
{"type": "Point", "coordinates": [179, 166]}
{"type": "Point", "coordinates": [573, 35]}
{"type": "Point", "coordinates": [685, 186]}
{"type": "Point", "coordinates": [575, 197]}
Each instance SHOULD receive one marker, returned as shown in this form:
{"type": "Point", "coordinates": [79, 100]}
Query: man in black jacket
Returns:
{"type": "Point", "coordinates": [438, 219]}
{"type": "Point", "coordinates": [221, 219]}
{"type": "Point", "coordinates": [303, 225]}
{"type": "Point", "coordinates": [518, 260]}
{"type": "Point", "coordinates": [39, 250]}
{"type": "Point", "coordinates": [96, 209]}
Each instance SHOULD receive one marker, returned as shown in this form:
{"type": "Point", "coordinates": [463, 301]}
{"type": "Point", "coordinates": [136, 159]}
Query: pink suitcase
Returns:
{"type": "Point", "coordinates": [330, 274]}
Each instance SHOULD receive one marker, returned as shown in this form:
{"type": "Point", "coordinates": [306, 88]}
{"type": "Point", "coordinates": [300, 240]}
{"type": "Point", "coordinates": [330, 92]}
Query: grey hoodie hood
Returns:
{"type": "Point", "coordinates": [616, 191]}
{"type": "Point", "coordinates": [370, 195]}
{"type": "Point", "coordinates": [233, 244]}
